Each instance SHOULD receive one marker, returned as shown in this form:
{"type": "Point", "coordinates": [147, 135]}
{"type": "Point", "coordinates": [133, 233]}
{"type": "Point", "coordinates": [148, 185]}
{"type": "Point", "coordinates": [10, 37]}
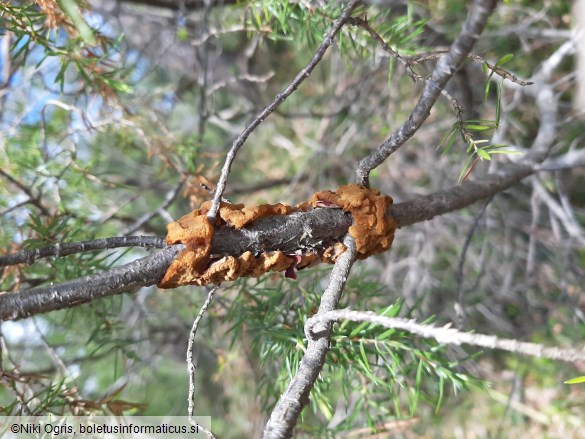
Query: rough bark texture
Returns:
{"type": "Point", "coordinates": [285, 233]}
{"type": "Point", "coordinates": [296, 396]}
{"type": "Point", "coordinates": [289, 233]}
{"type": "Point", "coordinates": [178, 4]}
{"type": "Point", "coordinates": [128, 278]}
{"type": "Point", "coordinates": [457, 197]}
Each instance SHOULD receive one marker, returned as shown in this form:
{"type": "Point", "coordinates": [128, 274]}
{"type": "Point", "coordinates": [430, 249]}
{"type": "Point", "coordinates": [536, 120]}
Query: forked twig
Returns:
{"type": "Point", "coordinates": [279, 99]}
{"type": "Point", "coordinates": [443, 71]}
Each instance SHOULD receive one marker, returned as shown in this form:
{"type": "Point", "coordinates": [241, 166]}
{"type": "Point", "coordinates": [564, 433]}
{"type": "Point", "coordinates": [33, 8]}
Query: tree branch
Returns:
{"type": "Point", "coordinates": [59, 250]}
{"type": "Point", "coordinates": [448, 335]}
{"type": "Point", "coordinates": [290, 233]}
{"type": "Point", "coordinates": [175, 4]}
{"type": "Point", "coordinates": [296, 397]}
{"type": "Point", "coordinates": [143, 272]}
{"type": "Point", "coordinates": [443, 71]}
{"type": "Point", "coordinates": [279, 99]}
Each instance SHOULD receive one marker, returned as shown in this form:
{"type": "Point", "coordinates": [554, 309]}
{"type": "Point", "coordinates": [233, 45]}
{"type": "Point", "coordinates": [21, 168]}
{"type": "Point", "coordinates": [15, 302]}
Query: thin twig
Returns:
{"type": "Point", "coordinates": [459, 308]}
{"type": "Point", "coordinates": [34, 199]}
{"type": "Point", "coordinates": [405, 61]}
{"type": "Point", "coordinates": [499, 71]}
{"type": "Point", "coordinates": [169, 198]}
{"type": "Point", "coordinates": [202, 56]}
{"type": "Point", "coordinates": [443, 71]}
{"type": "Point", "coordinates": [284, 416]}
{"type": "Point", "coordinates": [279, 99]}
{"type": "Point", "coordinates": [70, 248]}
{"type": "Point", "coordinates": [448, 336]}
{"type": "Point", "coordinates": [570, 160]}
{"type": "Point", "coordinates": [192, 367]}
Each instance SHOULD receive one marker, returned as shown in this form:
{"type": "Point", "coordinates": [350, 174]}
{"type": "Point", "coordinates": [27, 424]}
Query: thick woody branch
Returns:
{"type": "Point", "coordinates": [289, 233]}
{"type": "Point", "coordinates": [143, 272]}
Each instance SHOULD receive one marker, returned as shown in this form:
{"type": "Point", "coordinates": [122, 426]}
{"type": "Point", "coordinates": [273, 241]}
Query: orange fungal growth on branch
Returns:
{"type": "Point", "coordinates": [372, 230]}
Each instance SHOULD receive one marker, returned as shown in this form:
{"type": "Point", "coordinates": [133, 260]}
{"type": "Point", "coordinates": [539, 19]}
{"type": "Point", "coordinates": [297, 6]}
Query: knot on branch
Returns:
{"type": "Point", "coordinates": [372, 230]}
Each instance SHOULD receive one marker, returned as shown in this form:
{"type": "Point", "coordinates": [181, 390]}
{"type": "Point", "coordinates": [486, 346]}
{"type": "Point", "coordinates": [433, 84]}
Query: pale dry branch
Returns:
{"type": "Point", "coordinates": [497, 70]}
{"type": "Point", "coordinates": [447, 335]}
{"type": "Point", "coordinates": [127, 278]}
{"type": "Point", "coordinates": [191, 366]}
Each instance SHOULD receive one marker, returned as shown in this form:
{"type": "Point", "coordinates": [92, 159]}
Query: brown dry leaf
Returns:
{"type": "Point", "coordinates": [55, 17]}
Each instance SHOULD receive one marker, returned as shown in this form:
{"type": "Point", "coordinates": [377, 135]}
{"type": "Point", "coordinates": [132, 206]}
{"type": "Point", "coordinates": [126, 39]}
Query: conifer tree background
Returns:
{"type": "Point", "coordinates": [116, 119]}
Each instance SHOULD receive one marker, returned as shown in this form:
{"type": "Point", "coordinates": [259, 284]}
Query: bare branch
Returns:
{"type": "Point", "coordinates": [291, 403]}
{"type": "Point", "coordinates": [59, 250]}
{"type": "Point", "coordinates": [279, 99]}
{"type": "Point", "coordinates": [444, 70]}
{"type": "Point", "coordinates": [191, 366]}
{"type": "Point", "coordinates": [457, 197]}
{"type": "Point", "coordinates": [499, 71]}
{"type": "Point", "coordinates": [127, 278]}
{"type": "Point", "coordinates": [459, 305]}
{"type": "Point", "coordinates": [290, 232]}
{"type": "Point", "coordinates": [34, 199]}
{"type": "Point", "coordinates": [448, 335]}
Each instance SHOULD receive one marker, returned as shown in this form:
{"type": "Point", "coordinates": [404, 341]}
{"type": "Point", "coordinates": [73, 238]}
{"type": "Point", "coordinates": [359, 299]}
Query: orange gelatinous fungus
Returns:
{"type": "Point", "coordinates": [372, 230]}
